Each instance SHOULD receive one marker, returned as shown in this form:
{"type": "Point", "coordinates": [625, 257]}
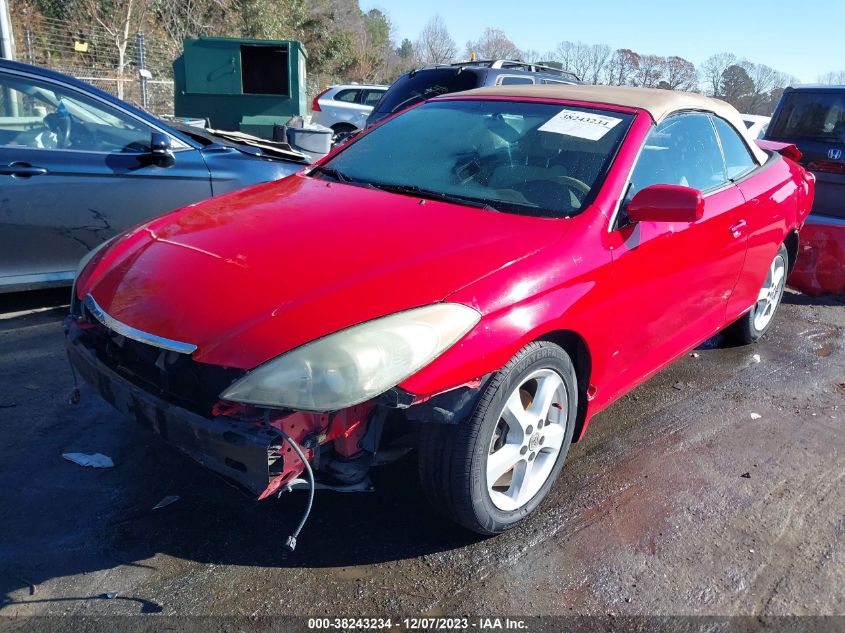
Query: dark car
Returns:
{"type": "Point", "coordinates": [78, 166]}
{"type": "Point", "coordinates": [431, 81]}
{"type": "Point", "coordinates": [813, 119]}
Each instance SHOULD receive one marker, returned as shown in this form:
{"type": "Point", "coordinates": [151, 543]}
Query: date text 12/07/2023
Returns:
{"type": "Point", "coordinates": [419, 624]}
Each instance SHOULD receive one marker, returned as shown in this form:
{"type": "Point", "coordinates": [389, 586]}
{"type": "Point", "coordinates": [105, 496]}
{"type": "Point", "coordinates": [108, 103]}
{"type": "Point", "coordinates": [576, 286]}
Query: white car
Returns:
{"type": "Point", "coordinates": [345, 108]}
{"type": "Point", "coordinates": [756, 124]}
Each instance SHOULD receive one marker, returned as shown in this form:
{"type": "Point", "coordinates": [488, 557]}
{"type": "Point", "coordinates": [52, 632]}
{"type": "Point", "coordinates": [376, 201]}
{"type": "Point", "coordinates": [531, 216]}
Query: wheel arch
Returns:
{"type": "Point", "coordinates": [791, 243]}
{"type": "Point", "coordinates": [579, 352]}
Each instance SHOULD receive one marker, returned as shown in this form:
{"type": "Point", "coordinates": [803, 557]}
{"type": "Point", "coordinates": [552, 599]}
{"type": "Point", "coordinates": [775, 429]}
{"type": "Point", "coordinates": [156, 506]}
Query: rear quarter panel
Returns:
{"type": "Point", "coordinates": [778, 199]}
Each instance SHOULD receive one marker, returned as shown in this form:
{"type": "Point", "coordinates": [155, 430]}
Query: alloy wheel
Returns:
{"type": "Point", "coordinates": [770, 294]}
{"type": "Point", "coordinates": [527, 440]}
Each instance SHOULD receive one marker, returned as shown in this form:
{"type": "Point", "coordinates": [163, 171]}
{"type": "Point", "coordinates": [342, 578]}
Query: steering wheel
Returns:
{"type": "Point", "coordinates": [60, 125]}
{"type": "Point", "coordinates": [575, 185]}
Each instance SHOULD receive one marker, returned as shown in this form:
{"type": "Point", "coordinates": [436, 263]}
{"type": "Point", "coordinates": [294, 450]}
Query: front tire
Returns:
{"type": "Point", "coordinates": [488, 473]}
{"type": "Point", "coordinates": [756, 322]}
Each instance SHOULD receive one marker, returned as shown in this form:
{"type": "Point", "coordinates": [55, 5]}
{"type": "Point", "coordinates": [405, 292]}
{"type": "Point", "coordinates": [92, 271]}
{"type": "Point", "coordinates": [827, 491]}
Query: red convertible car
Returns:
{"type": "Point", "coordinates": [474, 278]}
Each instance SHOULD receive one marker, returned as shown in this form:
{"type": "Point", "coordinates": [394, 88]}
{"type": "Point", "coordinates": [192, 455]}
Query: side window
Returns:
{"type": "Point", "coordinates": [512, 80]}
{"type": "Point", "coordinates": [371, 97]}
{"type": "Point", "coordinates": [40, 115]}
{"type": "Point", "coordinates": [682, 150]}
{"type": "Point", "coordinates": [738, 158]}
{"type": "Point", "coordinates": [553, 81]}
{"type": "Point", "coordinates": [347, 96]}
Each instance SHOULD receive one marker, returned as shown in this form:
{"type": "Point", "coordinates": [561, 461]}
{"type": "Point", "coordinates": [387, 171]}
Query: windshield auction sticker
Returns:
{"type": "Point", "coordinates": [580, 124]}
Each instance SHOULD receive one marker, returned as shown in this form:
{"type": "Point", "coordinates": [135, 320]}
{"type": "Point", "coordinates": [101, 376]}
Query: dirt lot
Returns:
{"type": "Point", "coordinates": [678, 501]}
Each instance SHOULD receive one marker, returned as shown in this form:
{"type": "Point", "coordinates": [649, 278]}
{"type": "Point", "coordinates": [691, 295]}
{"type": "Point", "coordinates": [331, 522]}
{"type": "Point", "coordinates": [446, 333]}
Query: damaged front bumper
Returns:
{"type": "Point", "coordinates": [235, 449]}
{"type": "Point", "coordinates": [175, 397]}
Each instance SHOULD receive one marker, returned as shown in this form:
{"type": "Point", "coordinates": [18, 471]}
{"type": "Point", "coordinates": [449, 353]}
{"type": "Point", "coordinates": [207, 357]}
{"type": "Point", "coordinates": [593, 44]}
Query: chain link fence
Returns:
{"type": "Point", "coordinates": [136, 69]}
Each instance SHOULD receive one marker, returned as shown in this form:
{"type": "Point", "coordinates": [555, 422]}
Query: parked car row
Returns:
{"type": "Point", "coordinates": [424, 83]}
{"type": "Point", "coordinates": [475, 277]}
{"type": "Point", "coordinates": [350, 108]}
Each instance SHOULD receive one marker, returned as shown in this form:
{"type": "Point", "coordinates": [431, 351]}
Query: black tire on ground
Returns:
{"type": "Point", "coordinates": [744, 331]}
{"type": "Point", "coordinates": [453, 457]}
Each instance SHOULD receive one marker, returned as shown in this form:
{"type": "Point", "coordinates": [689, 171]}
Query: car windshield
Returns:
{"type": "Point", "coordinates": [818, 116]}
{"type": "Point", "coordinates": [532, 158]}
{"type": "Point", "coordinates": [424, 84]}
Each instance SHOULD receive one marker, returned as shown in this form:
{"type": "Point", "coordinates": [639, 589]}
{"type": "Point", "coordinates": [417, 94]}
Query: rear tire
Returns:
{"type": "Point", "coordinates": [488, 473]}
{"type": "Point", "coordinates": [756, 322]}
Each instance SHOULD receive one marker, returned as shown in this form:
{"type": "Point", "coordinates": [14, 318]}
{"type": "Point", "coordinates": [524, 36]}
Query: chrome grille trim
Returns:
{"type": "Point", "coordinates": [136, 335]}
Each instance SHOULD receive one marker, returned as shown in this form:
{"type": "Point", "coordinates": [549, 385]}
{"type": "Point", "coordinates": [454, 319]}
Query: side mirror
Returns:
{"type": "Point", "coordinates": [160, 149]}
{"type": "Point", "coordinates": [666, 203]}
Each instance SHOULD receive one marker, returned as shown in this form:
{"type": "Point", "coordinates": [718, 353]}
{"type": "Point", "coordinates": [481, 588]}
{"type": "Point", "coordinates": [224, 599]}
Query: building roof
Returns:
{"type": "Point", "coordinates": [658, 103]}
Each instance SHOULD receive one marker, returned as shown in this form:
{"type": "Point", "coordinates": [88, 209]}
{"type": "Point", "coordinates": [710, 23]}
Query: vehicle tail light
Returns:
{"type": "Point", "coordinates": [827, 166]}
{"type": "Point", "coordinates": [315, 105]}
{"type": "Point", "coordinates": [787, 150]}
{"type": "Point", "coordinates": [792, 153]}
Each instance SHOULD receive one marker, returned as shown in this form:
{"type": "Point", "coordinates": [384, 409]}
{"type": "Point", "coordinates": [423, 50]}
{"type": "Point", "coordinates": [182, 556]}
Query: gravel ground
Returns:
{"type": "Point", "coordinates": [714, 489]}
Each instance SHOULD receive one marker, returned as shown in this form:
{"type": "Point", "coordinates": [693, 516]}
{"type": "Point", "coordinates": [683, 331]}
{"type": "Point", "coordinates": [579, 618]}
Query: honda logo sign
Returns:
{"type": "Point", "coordinates": [834, 154]}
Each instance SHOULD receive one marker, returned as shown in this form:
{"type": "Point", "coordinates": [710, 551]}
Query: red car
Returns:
{"type": "Point", "coordinates": [475, 277]}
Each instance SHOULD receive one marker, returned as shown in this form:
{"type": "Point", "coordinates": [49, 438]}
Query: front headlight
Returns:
{"type": "Point", "coordinates": [356, 364]}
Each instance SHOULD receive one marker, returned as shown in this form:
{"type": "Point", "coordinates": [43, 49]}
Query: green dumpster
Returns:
{"type": "Point", "coordinates": [241, 84]}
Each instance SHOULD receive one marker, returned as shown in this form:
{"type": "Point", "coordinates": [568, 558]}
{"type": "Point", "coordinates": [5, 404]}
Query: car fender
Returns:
{"type": "Point", "coordinates": [557, 294]}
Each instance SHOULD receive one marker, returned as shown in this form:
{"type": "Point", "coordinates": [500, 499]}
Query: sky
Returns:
{"type": "Point", "coordinates": [802, 39]}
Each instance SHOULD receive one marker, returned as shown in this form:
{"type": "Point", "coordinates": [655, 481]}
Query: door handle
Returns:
{"type": "Point", "coordinates": [736, 229]}
{"type": "Point", "coordinates": [21, 170]}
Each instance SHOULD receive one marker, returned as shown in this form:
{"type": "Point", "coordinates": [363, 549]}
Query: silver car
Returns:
{"type": "Point", "coordinates": [345, 108]}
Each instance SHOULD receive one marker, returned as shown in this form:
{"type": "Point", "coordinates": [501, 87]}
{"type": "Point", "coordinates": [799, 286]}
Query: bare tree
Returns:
{"type": "Point", "coordinates": [435, 45]}
{"type": "Point", "coordinates": [581, 60]}
{"type": "Point", "coordinates": [188, 18]}
{"type": "Point", "coordinates": [712, 70]}
{"type": "Point", "coordinates": [575, 57]}
{"type": "Point", "coordinates": [650, 71]}
{"type": "Point", "coordinates": [563, 54]}
{"type": "Point", "coordinates": [599, 55]}
{"type": "Point", "coordinates": [622, 67]}
{"type": "Point", "coordinates": [120, 21]}
{"type": "Point", "coordinates": [532, 56]}
{"type": "Point", "coordinates": [764, 80]}
{"type": "Point", "coordinates": [679, 74]}
{"type": "Point", "coordinates": [833, 78]}
{"type": "Point", "coordinates": [493, 44]}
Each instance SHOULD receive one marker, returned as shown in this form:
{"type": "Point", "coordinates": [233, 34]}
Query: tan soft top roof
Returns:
{"type": "Point", "coordinates": [658, 103]}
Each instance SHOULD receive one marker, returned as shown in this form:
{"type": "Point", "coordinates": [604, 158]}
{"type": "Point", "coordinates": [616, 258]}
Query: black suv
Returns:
{"type": "Point", "coordinates": [431, 81]}
{"type": "Point", "coordinates": [813, 119]}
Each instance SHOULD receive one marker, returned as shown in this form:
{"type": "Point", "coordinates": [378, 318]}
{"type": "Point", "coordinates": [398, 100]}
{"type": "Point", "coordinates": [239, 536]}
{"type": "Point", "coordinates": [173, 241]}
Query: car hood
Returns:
{"type": "Point", "coordinates": [250, 275]}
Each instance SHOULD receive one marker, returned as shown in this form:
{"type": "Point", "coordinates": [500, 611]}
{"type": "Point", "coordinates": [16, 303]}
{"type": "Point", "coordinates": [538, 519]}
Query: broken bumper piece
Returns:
{"type": "Point", "coordinates": [236, 450]}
